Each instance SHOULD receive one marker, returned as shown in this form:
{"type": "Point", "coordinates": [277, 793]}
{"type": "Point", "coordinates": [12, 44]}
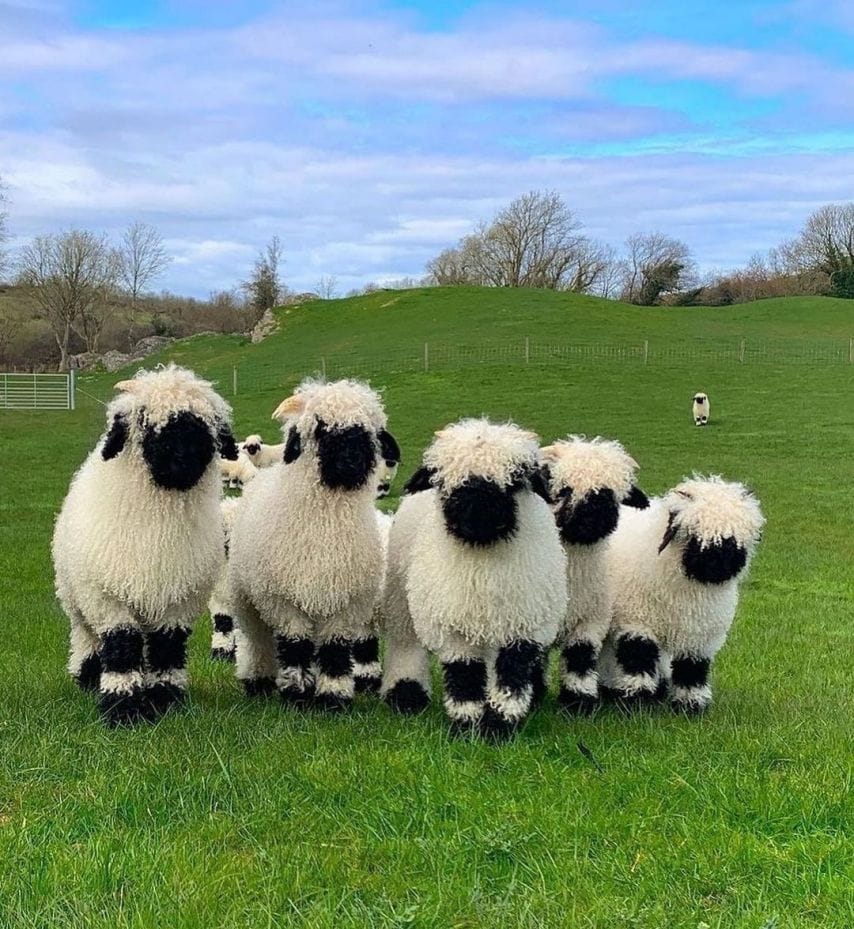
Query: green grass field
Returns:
{"type": "Point", "coordinates": [244, 814]}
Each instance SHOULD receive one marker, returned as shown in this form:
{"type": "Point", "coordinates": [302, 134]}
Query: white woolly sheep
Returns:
{"type": "Point", "coordinates": [259, 453]}
{"type": "Point", "coordinates": [386, 474]}
{"type": "Point", "coordinates": [138, 543]}
{"type": "Point", "coordinates": [587, 480]}
{"type": "Point", "coordinates": [303, 591]}
{"type": "Point", "coordinates": [222, 636]}
{"type": "Point", "coordinates": [675, 569]}
{"type": "Point", "coordinates": [475, 549]}
{"type": "Point", "coordinates": [237, 473]}
{"type": "Point", "coordinates": [700, 408]}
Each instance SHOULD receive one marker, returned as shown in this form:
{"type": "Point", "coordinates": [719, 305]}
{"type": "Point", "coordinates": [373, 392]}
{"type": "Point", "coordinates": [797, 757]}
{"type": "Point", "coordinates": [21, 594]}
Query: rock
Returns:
{"type": "Point", "coordinates": [150, 344]}
{"type": "Point", "coordinates": [265, 326]}
{"type": "Point", "coordinates": [113, 360]}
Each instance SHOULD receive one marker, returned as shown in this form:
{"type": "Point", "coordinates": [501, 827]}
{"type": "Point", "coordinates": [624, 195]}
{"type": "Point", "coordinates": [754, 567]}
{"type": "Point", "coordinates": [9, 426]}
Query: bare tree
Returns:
{"type": "Point", "coordinates": [825, 246]}
{"type": "Point", "coordinates": [70, 276]}
{"type": "Point", "coordinates": [327, 287]}
{"type": "Point", "coordinates": [656, 264]}
{"type": "Point", "coordinates": [264, 289]}
{"type": "Point", "coordinates": [8, 330]}
{"type": "Point", "coordinates": [142, 259]}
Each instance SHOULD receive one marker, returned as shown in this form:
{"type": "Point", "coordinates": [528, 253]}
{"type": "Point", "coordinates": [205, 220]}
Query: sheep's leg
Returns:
{"type": "Point", "coordinates": [367, 670]}
{"type": "Point", "coordinates": [579, 679]}
{"type": "Point", "coordinates": [295, 652]}
{"type": "Point", "coordinates": [406, 674]}
{"type": "Point", "coordinates": [255, 652]}
{"type": "Point", "coordinates": [84, 662]}
{"type": "Point", "coordinates": [636, 674]}
{"type": "Point", "coordinates": [539, 683]}
{"type": "Point", "coordinates": [335, 684]}
{"type": "Point", "coordinates": [689, 687]}
{"type": "Point", "coordinates": [121, 688]}
{"type": "Point", "coordinates": [166, 666]}
{"type": "Point", "coordinates": [511, 688]}
{"type": "Point", "coordinates": [223, 643]}
{"type": "Point", "coordinates": [464, 674]}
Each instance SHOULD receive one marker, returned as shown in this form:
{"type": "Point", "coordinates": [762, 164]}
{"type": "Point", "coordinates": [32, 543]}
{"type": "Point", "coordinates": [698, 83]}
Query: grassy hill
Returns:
{"type": "Point", "coordinates": [242, 814]}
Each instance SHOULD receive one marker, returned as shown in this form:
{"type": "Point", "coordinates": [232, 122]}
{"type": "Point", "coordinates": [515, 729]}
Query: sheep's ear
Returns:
{"type": "Point", "coordinates": [540, 481]}
{"type": "Point", "coordinates": [636, 498]}
{"type": "Point", "coordinates": [293, 446]}
{"type": "Point", "coordinates": [127, 386]}
{"type": "Point", "coordinates": [421, 480]}
{"type": "Point", "coordinates": [669, 533]}
{"type": "Point", "coordinates": [116, 437]}
{"type": "Point", "coordinates": [291, 406]}
{"type": "Point", "coordinates": [389, 448]}
{"type": "Point", "coordinates": [226, 443]}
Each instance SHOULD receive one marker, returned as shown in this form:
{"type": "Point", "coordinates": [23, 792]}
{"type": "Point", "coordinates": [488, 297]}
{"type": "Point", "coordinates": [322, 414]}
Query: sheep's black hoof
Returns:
{"type": "Point", "coordinates": [495, 726]}
{"type": "Point", "coordinates": [89, 676]}
{"type": "Point", "coordinates": [576, 704]}
{"type": "Point", "coordinates": [123, 709]}
{"type": "Point", "coordinates": [331, 703]}
{"type": "Point", "coordinates": [407, 697]}
{"type": "Point", "coordinates": [161, 697]}
{"type": "Point", "coordinates": [370, 684]}
{"type": "Point", "coordinates": [259, 686]}
{"type": "Point", "coordinates": [222, 654]}
{"type": "Point", "coordinates": [540, 689]}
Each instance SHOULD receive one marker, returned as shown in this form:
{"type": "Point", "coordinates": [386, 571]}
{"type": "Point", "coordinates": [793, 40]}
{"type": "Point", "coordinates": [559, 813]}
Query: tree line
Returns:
{"type": "Point", "coordinates": [537, 241]}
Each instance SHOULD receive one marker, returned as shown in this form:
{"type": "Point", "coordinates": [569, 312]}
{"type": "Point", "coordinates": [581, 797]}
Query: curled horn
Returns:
{"type": "Point", "coordinates": [669, 533]}
{"type": "Point", "coordinates": [289, 407]}
{"type": "Point", "coordinates": [130, 386]}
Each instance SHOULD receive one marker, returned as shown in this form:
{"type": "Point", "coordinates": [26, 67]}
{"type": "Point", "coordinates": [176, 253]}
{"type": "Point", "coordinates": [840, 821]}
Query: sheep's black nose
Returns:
{"type": "Point", "coordinates": [178, 453]}
{"type": "Point", "coordinates": [714, 564]}
{"type": "Point", "coordinates": [480, 512]}
{"type": "Point", "coordinates": [590, 520]}
{"type": "Point", "coordinates": [346, 456]}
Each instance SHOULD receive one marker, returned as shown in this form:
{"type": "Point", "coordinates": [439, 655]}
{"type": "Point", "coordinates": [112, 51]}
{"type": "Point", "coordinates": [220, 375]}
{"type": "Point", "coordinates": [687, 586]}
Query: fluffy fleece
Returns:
{"type": "Point", "coordinates": [700, 409]}
{"type": "Point", "coordinates": [138, 544]}
{"type": "Point", "coordinates": [676, 569]}
{"type": "Point", "coordinates": [304, 589]}
{"type": "Point", "coordinates": [222, 636]}
{"type": "Point", "coordinates": [479, 558]}
{"type": "Point", "coordinates": [259, 453]}
{"type": "Point", "coordinates": [587, 480]}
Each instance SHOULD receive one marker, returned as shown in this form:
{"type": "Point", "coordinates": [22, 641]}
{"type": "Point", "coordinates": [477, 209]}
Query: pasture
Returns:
{"type": "Point", "coordinates": [243, 814]}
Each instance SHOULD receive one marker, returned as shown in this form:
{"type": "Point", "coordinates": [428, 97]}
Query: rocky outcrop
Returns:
{"type": "Point", "coordinates": [265, 326]}
{"type": "Point", "coordinates": [113, 359]}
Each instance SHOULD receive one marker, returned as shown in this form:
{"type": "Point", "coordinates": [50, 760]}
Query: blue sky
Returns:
{"type": "Point", "coordinates": [370, 135]}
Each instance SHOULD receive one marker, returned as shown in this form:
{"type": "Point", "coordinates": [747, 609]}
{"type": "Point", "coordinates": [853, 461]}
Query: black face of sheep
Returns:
{"type": "Point", "coordinates": [589, 520]}
{"type": "Point", "coordinates": [252, 449]}
{"type": "Point", "coordinates": [346, 455]}
{"type": "Point", "coordinates": [178, 453]}
{"type": "Point", "coordinates": [480, 512]}
{"type": "Point", "coordinates": [715, 563]}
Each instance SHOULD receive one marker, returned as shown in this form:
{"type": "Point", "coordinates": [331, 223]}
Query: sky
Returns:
{"type": "Point", "coordinates": [368, 136]}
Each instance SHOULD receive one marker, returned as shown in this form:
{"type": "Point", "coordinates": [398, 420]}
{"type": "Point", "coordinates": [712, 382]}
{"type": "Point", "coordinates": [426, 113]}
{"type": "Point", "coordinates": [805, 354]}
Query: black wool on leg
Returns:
{"type": "Point", "coordinates": [366, 665]}
{"type": "Point", "coordinates": [637, 658]}
{"type": "Point", "coordinates": [89, 675]}
{"type": "Point", "coordinates": [510, 701]}
{"type": "Point", "coordinates": [579, 684]}
{"type": "Point", "coordinates": [167, 667]}
{"type": "Point", "coordinates": [689, 687]}
{"type": "Point", "coordinates": [223, 646]}
{"type": "Point", "coordinates": [335, 684]}
{"type": "Point", "coordinates": [121, 692]}
{"type": "Point", "coordinates": [295, 681]}
{"type": "Point", "coordinates": [465, 693]}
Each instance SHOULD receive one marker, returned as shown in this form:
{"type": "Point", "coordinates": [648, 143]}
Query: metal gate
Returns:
{"type": "Point", "coordinates": [37, 391]}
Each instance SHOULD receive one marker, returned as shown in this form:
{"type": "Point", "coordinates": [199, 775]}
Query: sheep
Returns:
{"type": "Point", "coordinates": [386, 475]}
{"type": "Point", "coordinates": [303, 592]}
{"type": "Point", "coordinates": [587, 480]}
{"type": "Point", "coordinates": [700, 409]}
{"type": "Point", "coordinates": [676, 569]}
{"type": "Point", "coordinates": [222, 637]}
{"type": "Point", "coordinates": [477, 575]}
{"type": "Point", "coordinates": [260, 454]}
{"type": "Point", "coordinates": [138, 543]}
{"type": "Point", "coordinates": [237, 473]}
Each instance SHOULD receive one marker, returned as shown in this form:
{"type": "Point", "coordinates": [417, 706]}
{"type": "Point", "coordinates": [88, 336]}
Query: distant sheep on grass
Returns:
{"type": "Point", "coordinates": [259, 453]}
{"type": "Point", "coordinates": [676, 569]}
{"type": "Point", "coordinates": [222, 636]}
{"type": "Point", "coordinates": [138, 544]}
{"type": "Point", "coordinates": [701, 409]}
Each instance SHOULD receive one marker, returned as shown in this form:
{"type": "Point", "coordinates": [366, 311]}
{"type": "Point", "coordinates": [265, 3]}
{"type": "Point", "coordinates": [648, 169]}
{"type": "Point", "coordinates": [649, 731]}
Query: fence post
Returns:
{"type": "Point", "coordinates": [234, 380]}
{"type": "Point", "coordinates": [426, 357]}
{"type": "Point", "coordinates": [323, 368]}
{"type": "Point", "coordinates": [741, 352]}
{"type": "Point", "coordinates": [645, 351]}
{"type": "Point", "coordinates": [527, 350]}
{"type": "Point", "coordinates": [851, 351]}
{"type": "Point", "coordinates": [72, 389]}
